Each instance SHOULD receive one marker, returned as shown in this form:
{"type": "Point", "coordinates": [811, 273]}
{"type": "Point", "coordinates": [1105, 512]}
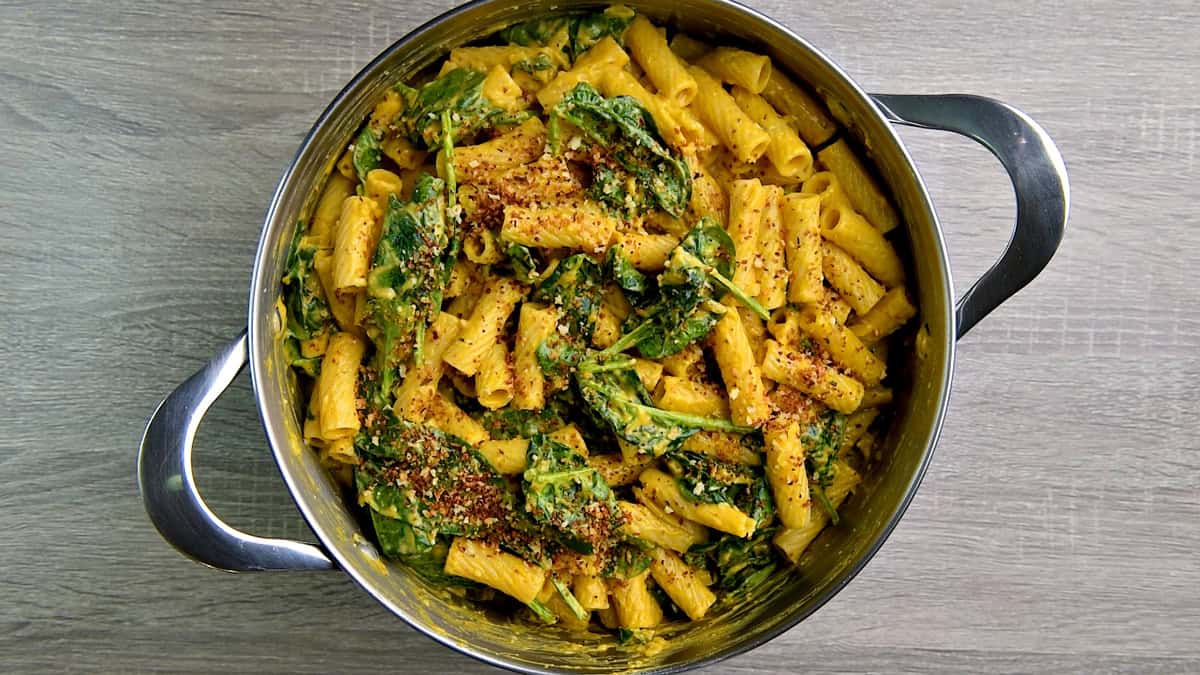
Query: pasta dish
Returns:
{"type": "Point", "coordinates": [594, 322]}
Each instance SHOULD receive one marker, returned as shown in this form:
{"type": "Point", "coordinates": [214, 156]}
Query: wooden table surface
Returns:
{"type": "Point", "coordinates": [1057, 530]}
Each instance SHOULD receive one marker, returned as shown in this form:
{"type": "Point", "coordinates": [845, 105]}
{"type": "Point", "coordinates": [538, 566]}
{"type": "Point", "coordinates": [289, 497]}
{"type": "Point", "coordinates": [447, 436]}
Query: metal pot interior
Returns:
{"type": "Point", "coordinates": [832, 560]}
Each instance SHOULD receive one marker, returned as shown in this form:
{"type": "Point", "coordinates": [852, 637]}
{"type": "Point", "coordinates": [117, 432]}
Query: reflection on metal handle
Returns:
{"type": "Point", "coordinates": [169, 489]}
{"type": "Point", "coordinates": [1039, 180]}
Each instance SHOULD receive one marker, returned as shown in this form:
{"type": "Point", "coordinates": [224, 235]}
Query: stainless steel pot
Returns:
{"type": "Point", "coordinates": [180, 514]}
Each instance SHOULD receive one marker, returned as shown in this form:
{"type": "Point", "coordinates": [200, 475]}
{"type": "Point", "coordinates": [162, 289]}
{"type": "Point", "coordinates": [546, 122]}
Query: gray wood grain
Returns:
{"type": "Point", "coordinates": [1057, 530]}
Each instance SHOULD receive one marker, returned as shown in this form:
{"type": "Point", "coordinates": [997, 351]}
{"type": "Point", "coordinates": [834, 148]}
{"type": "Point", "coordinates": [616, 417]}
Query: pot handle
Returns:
{"type": "Point", "coordinates": [169, 488]}
{"type": "Point", "coordinates": [1039, 180]}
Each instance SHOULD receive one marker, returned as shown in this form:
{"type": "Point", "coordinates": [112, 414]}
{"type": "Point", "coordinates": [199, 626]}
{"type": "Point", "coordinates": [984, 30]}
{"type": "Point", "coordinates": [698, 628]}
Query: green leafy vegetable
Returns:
{"type": "Point", "coordinates": [636, 286]}
{"type": "Point", "coordinates": [739, 565]}
{"type": "Point", "coordinates": [421, 483]}
{"type": "Point", "coordinates": [522, 263]}
{"type": "Point", "coordinates": [615, 395]}
{"type": "Point", "coordinates": [627, 561]}
{"type": "Point", "coordinates": [537, 64]}
{"type": "Point", "coordinates": [684, 311]}
{"type": "Point", "coordinates": [563, 492]}
{"type": "Point", "coordinates": [574, 286]}
{"type": "Point", "coordinates": [408, 275]}
{"type": "Point", "coordinates": [821, 441]}
{"type": "Point", "coordinates": [625, 131]}
{"type": "Point", "coordinates": [367, 154]}
{"type": "Point", "coordinates": [575, 34]}
{"type": "Point", "coordinates": [708, 480]}
{"type": "Point", "coordinates": [308, 314]}
{"type": "Point", "coordinates": [458, 96]}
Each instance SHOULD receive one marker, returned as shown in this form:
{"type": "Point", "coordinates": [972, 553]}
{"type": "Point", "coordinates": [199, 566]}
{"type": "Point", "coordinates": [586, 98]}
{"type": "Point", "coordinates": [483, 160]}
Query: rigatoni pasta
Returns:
{"type": "Point", "coordinates": [583, 320]}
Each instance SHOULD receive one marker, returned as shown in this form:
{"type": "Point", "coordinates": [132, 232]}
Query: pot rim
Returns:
{"type": "Point", "coordinates": [272, 424]}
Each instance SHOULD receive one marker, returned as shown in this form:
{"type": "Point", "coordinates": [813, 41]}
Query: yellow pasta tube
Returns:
{"type": "Point", "coordinates": [708, 197]}
{"type": "Point", "coordinates": [500, 88]}
{"type": "Point", "coordinates": [792, 542]}
{"type": "Point", "coordinates": [339, 386]}
{"type": "Point", "coordinates": [484, 327]}
{"type": "Point", "coordinates": [849, 279]}
{"type": "Point", "coordinates": [329, 209]}
{"type": "Point", "coordinates": [354, 245]}
{"type": "Point", "coordinates": [649, 372]}
{"type": "Point", "coordinates": [379, 185]}
{"type": "Point", "coordinates": [682, 583]}
{"type": "Point", "coordinates": [494, 381]}
{"type": "Point", "coordinates": [505, 456]}
{"type": "Point", "coordinates": [802, 245]}
{"type": "Point", "coordinates": [787, 152]}
{"type": "Point", "coordinates": [784, 326]}
{"type": "Point", "coordinates": [843, 346]}
{"type": "Point", "coordinates": [692, 397]}
{"type": "Point", "coordinates": [808, 374]}
{"type": "Point", "coordinates": [662, 489]}
{"type": "Point", "coordinates": [892, 311]}
{"type": "Point", "coordinates": [859, 185]}
{"type": "Point", "coordinates": [484, 162]}
{"type": "Point", "coordinates": [827, 186]}
{"type": "Point", "coordinates": [687, 363]}
{"type": "Point", "coordinates": [719, 112]}
{"type": "Point", "coordinates": [647, 252]}
{"type": "Point", "coordinates": [590, 67]}
{"type": "Point", "coordinates": [590, 591]}
{"type": "Point", "coordinates": [402, 152]}
{"type": "Point", "coordinates": [582, 226]}
{"type": "Point", "coordinates": [804, 111]}
{"type": "Point", "coordinates": [445, 415]}
{"type": "Point", "coordinates": [723, 445]}
{"type": "Point", "coordinates": [342, 306]}
{"type": "Point", "coordinates": [419, 386]}
{"type": "Point", "coordinates": [877, 396]}
{"type": "Point", "coordinates": [738, 67]}
{"type": "Point", "coordinates": [773, 274]}
{"type": "Point", "coordinates": [747, 205]}
{"type": "Point", "coordinates": [505, 56]}
{"type": "Point", "coordinates": [607, 329]}
{"type": "Point", "coordinates": [569, 436]}
{"type": "Point", "coordinates": [636, 607]}
{"type": "Point", "coordinates": [834, 304]}
{"type": "Point", "coordinates": [649, 47]}
{"type": "Point", "coordinates": [486, 564]}
{"type": "Point", "coordinates": [864, 243]}
{"type": "Point", "coordinates": [342, 451]}
{"type": "Point", "coordinates": [480, 247]}
{"type": "Point", "coordinates": [743, 380]}
{"type": "Point", "coordinates": [386, 111]}
{"type": "Point", "coordinates": [670, 532]}
{"type": "Point", "coordinates": [786, 473]}
{"type": "Point", "coordinates": [856, 426]}
{"type": "Point", "coordinates": [534, 325]}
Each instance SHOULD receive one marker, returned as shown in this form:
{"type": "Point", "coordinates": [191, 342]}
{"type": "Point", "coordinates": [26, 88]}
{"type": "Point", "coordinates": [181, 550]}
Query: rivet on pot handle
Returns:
{"type": "Point", "coordinates": [1039, 180]}
{"type": "Point", "coordinates": [169, 488]}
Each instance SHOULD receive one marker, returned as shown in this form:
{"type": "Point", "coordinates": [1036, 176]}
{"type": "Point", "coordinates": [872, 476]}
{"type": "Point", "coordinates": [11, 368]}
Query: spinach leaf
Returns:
{"type": "Point", "coordinates": [614, 394]}
{"type": "Point", "coordinates": [738, 565]}
{"type": "Point", "coordinates": [367, 154]}
{"type": "Point", "coordinates": [308, 314]}
{"type": "Point", "coordinates": [408, 275]}
{"type": "Point", "coordinates": [507, 423]}
{"type": "Point", "coordinates": [421, 484]}
{"type": "Point", "coordinates": [683, 313]}
{"type": "Point", "coordinates": [575, 34]}
{"type": "Point", "coordinates": [708, 480]}
{"type": "Point", "coordinates": [564, 493]}
{"type": "Point", "coordinates": [625, 132]}
{"type": "Point", "coordinates": [456, 95]}
{"type": "Point", "coordinates": [522, 263]}
{"type": "Point", "coordinates": [821, 441]}
{"type": "Point", "coordinates": [627, 560]}
{"type": "Point", "coordinates": [574, 287]}
{"type": "Point", "coordinates": [637, 287]}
